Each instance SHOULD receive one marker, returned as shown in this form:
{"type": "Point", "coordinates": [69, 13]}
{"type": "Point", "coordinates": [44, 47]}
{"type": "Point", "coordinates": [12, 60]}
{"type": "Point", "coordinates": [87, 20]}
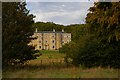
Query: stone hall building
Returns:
{"type": "Point", "coordinates": [50, 40]}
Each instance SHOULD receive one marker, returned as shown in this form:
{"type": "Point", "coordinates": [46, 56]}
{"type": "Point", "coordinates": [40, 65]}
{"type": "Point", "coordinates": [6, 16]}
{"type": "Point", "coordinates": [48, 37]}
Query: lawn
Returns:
{"type": "Point", "coordinates": [51, 65]}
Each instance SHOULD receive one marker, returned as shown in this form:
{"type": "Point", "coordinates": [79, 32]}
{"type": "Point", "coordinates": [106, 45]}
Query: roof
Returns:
{"type": "Point", "coordinates": [49, 32]}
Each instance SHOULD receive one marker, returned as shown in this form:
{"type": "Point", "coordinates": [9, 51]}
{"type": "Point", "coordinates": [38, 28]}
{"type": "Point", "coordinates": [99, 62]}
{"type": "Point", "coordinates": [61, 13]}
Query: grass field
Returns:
{"type": "Point", "coordinates": [51, 65]}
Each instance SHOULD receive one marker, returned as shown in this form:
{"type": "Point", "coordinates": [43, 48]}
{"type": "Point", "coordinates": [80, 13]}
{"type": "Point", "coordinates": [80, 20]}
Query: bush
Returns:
{"type": "Point", "coordinates": [93, 53]}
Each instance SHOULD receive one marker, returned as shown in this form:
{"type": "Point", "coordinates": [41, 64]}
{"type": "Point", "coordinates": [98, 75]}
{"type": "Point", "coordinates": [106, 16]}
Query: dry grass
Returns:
{"type": "Point", "coordinates": [51, 65]}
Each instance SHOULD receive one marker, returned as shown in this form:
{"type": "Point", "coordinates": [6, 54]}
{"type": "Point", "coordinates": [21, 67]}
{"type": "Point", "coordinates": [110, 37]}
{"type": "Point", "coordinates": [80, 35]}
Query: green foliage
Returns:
{"type": "Point", "coordinates": [98, 54]}
{"type": "Point", "coordinates": [78, 42]}
{"type": "Point", "coordinates": [104, 19]}
{"type": "Point", "coordinates": [77, 31]}
{"type": "Point", "coordinates": [17, 29]}
{"type": "Point", "coordinates": [97, 43]}
{"type": "Point", "coordinates": [92, 53]}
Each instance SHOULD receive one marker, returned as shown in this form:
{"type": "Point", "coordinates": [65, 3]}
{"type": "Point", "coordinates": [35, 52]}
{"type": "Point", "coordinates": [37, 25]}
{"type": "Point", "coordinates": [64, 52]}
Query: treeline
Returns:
{"type": "Point", "coordinates": [98, 43]}
{"type": "Point", "coordinates": [48, 26]}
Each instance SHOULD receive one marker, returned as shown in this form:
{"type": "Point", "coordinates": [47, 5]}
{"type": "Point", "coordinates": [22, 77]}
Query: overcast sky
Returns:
{"type": "Point", "coordinates": [64, 13]}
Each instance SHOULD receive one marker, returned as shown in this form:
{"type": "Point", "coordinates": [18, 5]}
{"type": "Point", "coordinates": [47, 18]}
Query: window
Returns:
{"type": "Point", "coordinates": [39, 41]}
{"type": "Point", "coordinates": [46, 41]}
{"type": "Point", "coordinates": [39, 46]}
{"type": "Point", "coordinates": [53, 47]}
{"type": "Point", "coordinates": [53, 41]}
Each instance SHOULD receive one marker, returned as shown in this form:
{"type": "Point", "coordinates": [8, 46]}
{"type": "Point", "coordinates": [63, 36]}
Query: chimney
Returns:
{"type": "Point", "coordinates": [62, 30]}
{"type": "Point", "coordinates": [53, 30]}
{"type": "Point", "coordinates": [36, 30]}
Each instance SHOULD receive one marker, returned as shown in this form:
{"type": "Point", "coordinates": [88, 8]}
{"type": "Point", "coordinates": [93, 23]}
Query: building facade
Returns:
{"type": "Point", "coordinates": [50, 40]}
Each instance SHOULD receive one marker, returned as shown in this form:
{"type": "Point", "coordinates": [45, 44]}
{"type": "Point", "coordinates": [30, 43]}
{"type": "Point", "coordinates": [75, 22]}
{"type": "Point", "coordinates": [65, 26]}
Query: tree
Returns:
{"type": "Point", "coordinates": [104, 18]}
{"type": "Point", "coordinates": [103, 21]}
{"type": "Point", "coordinates": [17, 31]}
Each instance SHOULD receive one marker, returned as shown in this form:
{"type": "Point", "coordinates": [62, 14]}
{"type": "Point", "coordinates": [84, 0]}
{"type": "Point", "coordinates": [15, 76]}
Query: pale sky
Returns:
{"type": "Point", "coordinates": [64, 13]}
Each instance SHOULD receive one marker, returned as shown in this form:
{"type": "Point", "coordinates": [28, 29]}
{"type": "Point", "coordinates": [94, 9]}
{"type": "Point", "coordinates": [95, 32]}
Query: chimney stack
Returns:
{"type": "Point", "coordinates": [53, 30]}
{"type": "Point", "coordinates": [36, 30]}
{"type": "Point", "coordinates": [62, 30]}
